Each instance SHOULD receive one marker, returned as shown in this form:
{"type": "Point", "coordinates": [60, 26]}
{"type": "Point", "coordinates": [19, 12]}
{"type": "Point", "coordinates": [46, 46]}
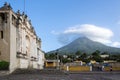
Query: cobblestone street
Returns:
{"type": "Point", "coordinates": [61, 76]}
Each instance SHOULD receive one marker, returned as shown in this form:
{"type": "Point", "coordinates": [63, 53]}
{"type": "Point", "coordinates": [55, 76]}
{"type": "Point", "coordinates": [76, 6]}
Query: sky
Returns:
{"type": "Point", "coordinates": [59, 22]}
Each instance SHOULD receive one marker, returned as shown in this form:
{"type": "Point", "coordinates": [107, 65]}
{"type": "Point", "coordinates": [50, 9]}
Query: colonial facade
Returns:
{"type": "Point", "coordinates": [19, 44]}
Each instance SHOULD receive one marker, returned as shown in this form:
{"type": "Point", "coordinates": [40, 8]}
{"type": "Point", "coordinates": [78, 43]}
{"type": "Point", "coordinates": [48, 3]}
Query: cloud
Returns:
{"type": "Point", "coordinates": [116, 44]}
{"type": "Point", "coordinates": [93, 32]}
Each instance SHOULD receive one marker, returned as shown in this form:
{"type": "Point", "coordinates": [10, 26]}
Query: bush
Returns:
{"type": "Point", "coordinates": [4, 65]}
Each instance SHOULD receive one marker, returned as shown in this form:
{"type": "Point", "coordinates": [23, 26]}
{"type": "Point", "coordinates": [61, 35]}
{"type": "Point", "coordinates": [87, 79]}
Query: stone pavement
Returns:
{"type": "Point", "coordinates": [58, 75]}
{"type": "Point", "coordinates": [4, 73]}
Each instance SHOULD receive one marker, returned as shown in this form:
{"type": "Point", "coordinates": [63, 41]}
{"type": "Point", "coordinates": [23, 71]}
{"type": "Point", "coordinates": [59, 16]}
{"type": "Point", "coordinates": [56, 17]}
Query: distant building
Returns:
{"type": "Point", "coordinates": [92, 61]}
{"type": "Point", "coordinates": [19, 44]}
{"type": "Point", "coordinates": [52, 63]}
{"type": "Point", "coordinates": [104, 55]}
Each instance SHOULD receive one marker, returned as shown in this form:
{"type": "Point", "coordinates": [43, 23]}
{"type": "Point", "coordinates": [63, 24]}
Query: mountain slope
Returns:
{"type": "Point", "coordinates": [86, 45]}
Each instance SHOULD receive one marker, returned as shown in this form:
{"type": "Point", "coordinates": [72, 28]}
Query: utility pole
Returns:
{"type": "Point", "coordinates": [57, 55]}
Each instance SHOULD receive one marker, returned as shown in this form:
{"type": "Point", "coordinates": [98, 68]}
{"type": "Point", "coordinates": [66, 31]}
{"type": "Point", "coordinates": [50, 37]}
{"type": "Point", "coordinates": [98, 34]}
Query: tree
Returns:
{"type": "Point", "coordinates": [105, 53]}
{"type": "Point", "coordinates": [115, 57]}
{"type": "Point", "coordinates": [83, 56]}
{"type": "Point", "coordinates": [96, 56]}
{"type": "Point", "coordinates": [71, 56]}
{"type": "Point", "coordinates": [50, 56]}
{"type": "Point", "coordinates": [96, 53]}
{"type": "Point", "coordinates": [66, 60]}
{"type": "Point", "coordinates": [87, 60]}
{"type": "Point", "coordinates": [78, 53]}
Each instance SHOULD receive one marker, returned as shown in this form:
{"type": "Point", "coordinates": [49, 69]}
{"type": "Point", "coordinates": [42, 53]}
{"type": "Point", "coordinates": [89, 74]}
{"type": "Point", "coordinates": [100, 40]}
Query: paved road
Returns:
{"type": "Point", "coordinates": [59, 76]}
{"type": "Point", "coordinates": [95, 76]}
{"type": "Point", "coordinates": [77, 76]}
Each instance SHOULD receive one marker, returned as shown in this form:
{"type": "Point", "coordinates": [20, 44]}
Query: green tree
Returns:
{"type": "Point", "coordinates": [66, 60]}
{"type": "Point", "coordinates": [96, 56]}
{"type": "Point", "coordinates": [78, 53]}
{"type": "Point", "coordinates": [115, 57]}
{"type": "Point", "coordinates": [96, 53]}
{"type": "Point", "coordinates": [105, 53]}
{"type": "Point", "coordinates": [50, 56]}
{"type": "Point", "coordinates": [71, 56]}
{"type": "Point", "coordinates": [83, 56]}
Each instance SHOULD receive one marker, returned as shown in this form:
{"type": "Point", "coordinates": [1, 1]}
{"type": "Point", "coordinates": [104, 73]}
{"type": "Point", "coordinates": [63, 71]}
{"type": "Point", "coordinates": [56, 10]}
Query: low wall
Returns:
{"type": "Point", "coordinates": [76, 68]}
{"type": "Point", "coordinates": [113, 68]}
{"type": "Point", "coordinates": [88, 68]}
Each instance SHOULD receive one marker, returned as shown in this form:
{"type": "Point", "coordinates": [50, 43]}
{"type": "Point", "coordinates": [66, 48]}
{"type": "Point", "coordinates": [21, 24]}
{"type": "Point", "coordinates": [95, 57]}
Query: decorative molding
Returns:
{"type": "Point", "coordinates": [21, 55]}
{"type": "Point", "coordinates": [34, 58]}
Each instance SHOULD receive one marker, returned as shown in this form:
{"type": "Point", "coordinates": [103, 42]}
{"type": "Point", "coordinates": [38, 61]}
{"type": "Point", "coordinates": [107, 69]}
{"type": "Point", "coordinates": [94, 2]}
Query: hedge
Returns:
{"type": "Point", "coordinates": [4, 65]}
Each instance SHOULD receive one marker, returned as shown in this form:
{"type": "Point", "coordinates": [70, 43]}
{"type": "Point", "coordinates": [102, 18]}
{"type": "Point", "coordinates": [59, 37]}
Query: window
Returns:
{"type": "Point", "coordinates": [13, 20]}
{"type": "Point", "coordinates": [2, 34]}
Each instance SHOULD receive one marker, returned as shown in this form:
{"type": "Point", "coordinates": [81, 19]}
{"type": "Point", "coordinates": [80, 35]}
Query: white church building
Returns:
{"type": "Point", "coordinates": [19, 44]}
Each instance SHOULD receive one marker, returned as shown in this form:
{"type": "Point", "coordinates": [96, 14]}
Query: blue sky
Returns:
{"type": "Point", "coordinates": [58, 22]}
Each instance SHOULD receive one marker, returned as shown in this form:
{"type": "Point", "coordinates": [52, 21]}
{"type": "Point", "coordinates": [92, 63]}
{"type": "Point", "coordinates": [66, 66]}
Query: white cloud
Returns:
{"type": "Point", "coordinates": [93, 32]}
{"type": "Point", "coordinates": [116, 44]}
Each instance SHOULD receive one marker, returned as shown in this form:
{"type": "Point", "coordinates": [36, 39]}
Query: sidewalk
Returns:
{"type": "Point", "coordinates": [2, 73]}
{"type": "Point", "coordinates": [95, 72]}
